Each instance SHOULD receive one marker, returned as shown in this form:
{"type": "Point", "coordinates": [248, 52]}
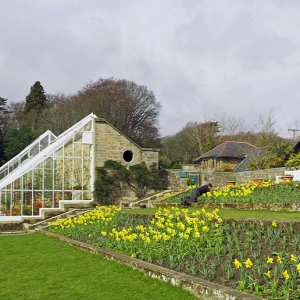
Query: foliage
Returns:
{"type": "Point", "coordinates": [36, 99]}
{"type": "Point", "coordinates": [273, 157]}
{"type": "Point", "coordinates": [142, 179]}
{"type": "Point", "coordinates": [104, 187]}
{"type": "Point", "coordinates": [294, 161]}
{"type": "Point", "coordinates": [16, 138]}
{"type": "Point", "coordinates": [193, 140]}
{"type": "Point", "coordinates": [114, 179]}
{"type": "Point", "coordinates": [255, 257]}
{"type": "Point", "coordinates": [3, 123]}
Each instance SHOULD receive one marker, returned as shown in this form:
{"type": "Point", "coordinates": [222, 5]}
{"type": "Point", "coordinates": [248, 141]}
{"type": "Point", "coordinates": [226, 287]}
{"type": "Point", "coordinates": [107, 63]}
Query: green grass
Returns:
{"type": "Point", "coordinates": [37, 267]}
{"type": "Point", "coordinates": [228, 213]}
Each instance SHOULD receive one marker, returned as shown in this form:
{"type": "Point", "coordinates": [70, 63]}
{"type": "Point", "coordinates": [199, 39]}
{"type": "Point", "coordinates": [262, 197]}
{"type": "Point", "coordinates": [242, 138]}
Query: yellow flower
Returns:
{"type": "Point", "coordinates": [279, 259]}
{"type": "Point", "coordinates": [237, 264]}
{"type": "Point", "coordinates": [133, 255]}
{"type": "Point", "coordinates": [269, 260]}
{"type": "Point", "coordinates": [298, 269]}
{"type": "Point", "coordinates": [285, 274]}
{"type": "Point", "coordinates": [293, 258]}
{"type": "Point", "coordinates": [103, 233]}
{"type": "Point", "coordinates": [274, 224]}
{"type": "Point", "coordinates": [268, 274]}
{"type": "Point", "coordinates": [248, 263]}
{"type": "Point", "coordinates": [205, 229]}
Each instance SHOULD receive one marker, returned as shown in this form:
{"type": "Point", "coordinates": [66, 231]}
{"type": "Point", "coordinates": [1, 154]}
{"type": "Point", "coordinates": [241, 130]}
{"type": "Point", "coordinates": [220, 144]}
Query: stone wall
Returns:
{"type": "Point", "coordinates": [112, 144]}
{"type": "Point", "coordinates": [220, 178]}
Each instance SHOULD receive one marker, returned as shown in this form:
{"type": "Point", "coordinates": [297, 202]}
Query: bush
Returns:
{"type": "Point", "coordinates": [294, 161]}
{"type": "Point", "coordinates": [113, 180]}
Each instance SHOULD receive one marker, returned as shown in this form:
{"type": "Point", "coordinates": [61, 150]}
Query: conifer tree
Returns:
{"type": "Point", "coordinates": [36, 99]}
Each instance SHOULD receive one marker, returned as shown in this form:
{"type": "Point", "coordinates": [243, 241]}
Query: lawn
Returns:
{"type": "Point", "coordinates": [34, 266]}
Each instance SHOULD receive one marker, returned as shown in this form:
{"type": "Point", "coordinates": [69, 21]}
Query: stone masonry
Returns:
{"type": "Point", "coordinates": [111, 144]}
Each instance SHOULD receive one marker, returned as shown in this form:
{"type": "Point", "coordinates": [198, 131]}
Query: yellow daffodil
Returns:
{"type": "Point", "coordinates": [268, 274]}
{"type": "Point", "coordinates": [286, 275]}
{"type": "Point", "coordinates": [269, 260]}
{"type": "Point", "coordinates": [293, 258]}
{"type": "Point", "coordinates": [237, 264]}
{"type": "Point", "coordinates": [248, 263]}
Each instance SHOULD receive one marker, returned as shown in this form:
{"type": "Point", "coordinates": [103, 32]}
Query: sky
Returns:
{"type": "Point", "coordinates": [203, 59]}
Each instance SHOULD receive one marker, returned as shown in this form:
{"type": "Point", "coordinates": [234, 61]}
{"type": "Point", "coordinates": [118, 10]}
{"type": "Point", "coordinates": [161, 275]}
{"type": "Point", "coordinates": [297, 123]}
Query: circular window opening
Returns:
{"type": "Point", "coordinates": [128, 156]}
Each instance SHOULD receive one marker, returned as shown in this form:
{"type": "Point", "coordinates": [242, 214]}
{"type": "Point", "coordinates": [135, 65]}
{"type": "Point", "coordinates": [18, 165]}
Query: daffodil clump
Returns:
{"type": "Point", "coordinates": [266, 191]}
{"type": "Point", "coordinates": [278, 277]}
{"type": "Point", "coordinates": [263, 259]}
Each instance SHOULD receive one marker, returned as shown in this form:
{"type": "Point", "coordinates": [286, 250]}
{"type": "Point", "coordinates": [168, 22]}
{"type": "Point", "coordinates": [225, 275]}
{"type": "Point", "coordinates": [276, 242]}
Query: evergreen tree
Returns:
{"type": "Point", "coordinates": [16, 138]}
{"type": "Point", "coordinates": [3, 121]}
{"type": "Point", "coordinates": [36, 99]}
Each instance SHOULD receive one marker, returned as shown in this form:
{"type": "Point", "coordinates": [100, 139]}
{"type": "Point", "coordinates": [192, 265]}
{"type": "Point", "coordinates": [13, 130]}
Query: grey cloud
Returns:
{"type": "Point", "coordinates": [201, 58]}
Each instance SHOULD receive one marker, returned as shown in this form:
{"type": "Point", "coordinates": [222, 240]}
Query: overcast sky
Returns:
{"type": "Point", "coordinates": [202, 59]}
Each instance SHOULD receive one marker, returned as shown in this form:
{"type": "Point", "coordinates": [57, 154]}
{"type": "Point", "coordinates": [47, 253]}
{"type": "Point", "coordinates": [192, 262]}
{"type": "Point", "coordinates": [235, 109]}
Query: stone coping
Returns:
{"type": "Point", "coordinates": [200, 288]}
{"type": "Point", "coordinates": [246, 206]}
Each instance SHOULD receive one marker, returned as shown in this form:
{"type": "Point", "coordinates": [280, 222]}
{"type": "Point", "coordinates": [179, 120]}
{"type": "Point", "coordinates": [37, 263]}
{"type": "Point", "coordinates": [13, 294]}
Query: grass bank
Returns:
{"type": "Point", "coordinates": [37, 267]}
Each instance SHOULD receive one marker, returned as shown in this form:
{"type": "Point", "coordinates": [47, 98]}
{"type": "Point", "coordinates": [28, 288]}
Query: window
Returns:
{"type": "Point", "coordinates": [128, 156]}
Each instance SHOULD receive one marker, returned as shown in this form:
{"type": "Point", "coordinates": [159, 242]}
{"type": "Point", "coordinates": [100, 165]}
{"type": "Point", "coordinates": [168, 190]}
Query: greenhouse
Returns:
{"type": "Point", "coordinates": [49, 172]}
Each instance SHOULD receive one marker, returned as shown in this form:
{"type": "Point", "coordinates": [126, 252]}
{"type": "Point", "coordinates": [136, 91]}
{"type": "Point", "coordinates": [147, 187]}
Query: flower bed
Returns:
{"type": "Point", "coordinates": [262, 259]}
{"type": "Point", "coordinates": [264, 192]}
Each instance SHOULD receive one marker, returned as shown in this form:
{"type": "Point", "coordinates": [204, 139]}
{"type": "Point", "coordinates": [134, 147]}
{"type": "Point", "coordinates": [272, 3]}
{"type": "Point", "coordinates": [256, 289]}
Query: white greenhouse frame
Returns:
{"type": "Point", "coordinates": [50, 171]}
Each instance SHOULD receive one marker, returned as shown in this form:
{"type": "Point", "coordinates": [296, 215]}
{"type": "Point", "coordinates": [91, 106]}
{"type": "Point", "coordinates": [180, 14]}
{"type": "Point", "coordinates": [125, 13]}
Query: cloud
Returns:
{"type": "Point", "coordinates": [201, 58]}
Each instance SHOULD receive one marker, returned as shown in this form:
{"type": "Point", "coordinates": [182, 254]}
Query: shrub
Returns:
{"type": "Point", "coordinates": [113, 180]}
{"type": "Point", "coordinates": [294, 161]}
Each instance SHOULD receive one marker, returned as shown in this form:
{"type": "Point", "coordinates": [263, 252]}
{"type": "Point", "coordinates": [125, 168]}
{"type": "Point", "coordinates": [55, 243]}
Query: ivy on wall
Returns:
{"type": "Point", "coordinates": [114, 179]}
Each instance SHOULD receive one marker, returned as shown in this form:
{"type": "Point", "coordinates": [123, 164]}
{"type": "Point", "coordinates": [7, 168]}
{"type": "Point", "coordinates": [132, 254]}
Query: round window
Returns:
{"type": "Point", "coordinates": [128, 156]}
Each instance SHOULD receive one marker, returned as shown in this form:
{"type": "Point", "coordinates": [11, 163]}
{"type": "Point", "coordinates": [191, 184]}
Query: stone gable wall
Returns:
{"type": "Point", "coordinates": [111, 144]}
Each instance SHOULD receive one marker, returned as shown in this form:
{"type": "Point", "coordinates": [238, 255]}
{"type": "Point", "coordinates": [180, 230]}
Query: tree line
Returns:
{"type": "Point", "coordinates": [134, 110]}
{"type": "Point", "coordinates": [131, 108]}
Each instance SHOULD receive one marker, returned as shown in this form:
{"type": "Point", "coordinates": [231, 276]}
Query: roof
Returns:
{"type": "Point", "coordinates": [296, 147]}
{"type": "Point", "coordinates": [227, 149]}
{"type": "Point", "coordinates": [251, 156]}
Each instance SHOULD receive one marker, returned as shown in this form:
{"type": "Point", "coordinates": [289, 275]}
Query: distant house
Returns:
{"type": "Point", "coordinates": [224, 157]}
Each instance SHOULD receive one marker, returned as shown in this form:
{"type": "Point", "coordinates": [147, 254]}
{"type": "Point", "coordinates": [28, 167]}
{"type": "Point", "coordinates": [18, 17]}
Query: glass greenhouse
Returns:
{"type": "Point", "coordinates": [51, 171]}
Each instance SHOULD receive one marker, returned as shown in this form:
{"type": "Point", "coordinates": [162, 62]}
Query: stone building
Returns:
{"type": "Point", "coordinates": [224, 157]}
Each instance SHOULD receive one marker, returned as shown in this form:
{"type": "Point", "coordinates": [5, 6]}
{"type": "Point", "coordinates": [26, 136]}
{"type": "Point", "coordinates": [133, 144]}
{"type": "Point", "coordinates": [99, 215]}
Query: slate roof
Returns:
{"type": "Point", "coordinates": [227, 149]}
{"type": "Point", "coordinates": [297, 147]}
{"type": "Point", "coordinates": [251, 156]}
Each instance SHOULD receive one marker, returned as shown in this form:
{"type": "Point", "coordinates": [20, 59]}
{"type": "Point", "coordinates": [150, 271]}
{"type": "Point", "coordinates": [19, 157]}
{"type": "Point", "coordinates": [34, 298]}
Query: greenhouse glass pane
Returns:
{"type": "Point", "coordinates": [86, 150]}
{"type": "Point", "coordinates": [88, 127]}
{"type": "Point", "coordinates": [38, 178]}
{"type": "Point", "coordinates": [48, 199]}
{"type": "Point", "coordinates": [58, 174]}
{"type": "Point", "coordinates": [78, 137]}
{"type": "Point", "coordinates": [77, 150]}
{"type": "Point", "coordinates": [68, 149]}
{"type": "Point", "coordinates": [77, 176]}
